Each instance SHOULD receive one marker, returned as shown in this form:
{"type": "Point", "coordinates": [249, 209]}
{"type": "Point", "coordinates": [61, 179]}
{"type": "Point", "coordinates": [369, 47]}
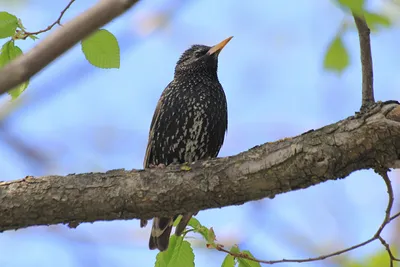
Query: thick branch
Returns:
{"type": "Point", "coordinates": [59, 41]}
{"type": "Point", "coordinates": [366, 61]}
{"type": "Point", "coordinates": [366, 141]}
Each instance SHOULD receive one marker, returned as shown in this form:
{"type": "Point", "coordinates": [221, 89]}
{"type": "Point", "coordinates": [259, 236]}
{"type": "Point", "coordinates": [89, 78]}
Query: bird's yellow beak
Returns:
{"type": "Point", "coordinates": [218, 47]}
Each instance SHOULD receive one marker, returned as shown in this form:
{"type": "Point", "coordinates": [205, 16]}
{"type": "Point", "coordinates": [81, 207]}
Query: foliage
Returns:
{"type": "Point", "coordinates": [10, 51]}
{"type": "Point", "coordinates": [336, 56]}
{"type": "Point", "coordinates": [180, 253]}
{"type": "Point", "coordinates": [8, 24]}
{"type": "Point", "coordinates": [101, 49]}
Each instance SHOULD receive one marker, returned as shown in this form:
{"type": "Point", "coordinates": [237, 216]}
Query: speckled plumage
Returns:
{"type": "Point", "coordinates": [189, 123]}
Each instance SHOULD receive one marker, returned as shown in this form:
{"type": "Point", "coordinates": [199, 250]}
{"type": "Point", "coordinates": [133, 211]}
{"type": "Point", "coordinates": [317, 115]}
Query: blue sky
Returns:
{"type": "Point", "coordinates": [85, 119]}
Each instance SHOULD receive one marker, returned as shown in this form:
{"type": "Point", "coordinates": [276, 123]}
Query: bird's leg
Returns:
{"type": "Point", "coordinates": [159, 166]}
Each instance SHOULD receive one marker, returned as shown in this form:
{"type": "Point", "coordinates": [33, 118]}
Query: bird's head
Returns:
{"type": "Point", "coordinates": [200, 58]}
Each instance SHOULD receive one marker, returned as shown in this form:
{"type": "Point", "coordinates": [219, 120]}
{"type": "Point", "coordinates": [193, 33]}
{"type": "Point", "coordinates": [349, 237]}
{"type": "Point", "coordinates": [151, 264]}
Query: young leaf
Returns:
{"type": "Point", "coordinates": [163, 259]}
{"type": "Point", "coordinates": [183, 254]}
{"type": "Point", "coordinates": [198, 228]}
{"type": "Point", "coordinates": [203, 231]}
{"type": "Point", "coordinates": [247, 263]}
{"type": "Point", "coordinates": [179, 253]}
{"type": "Point", "coordinates": [9, 52]}
{"type": "Point", "coordinates": [8, 24]}
{"type": "Point", "coordinates": [235, 249]}
{"type": "Point", "coordinates": [336, 57]}
{"type": "Point", "coordinates": [176, 222]}
{"type": "Point", "coordinates": [211, 236]}
{"type": "Point", "coordinates": [20, 25]}
{"type": "Point", "coordinates": [374, 20]}
{"type": "Point", "coordinates": [229, 261]}
{"type": "Point", "coordinates": [4, 55]}
{"type": "Point", "coordinates": [101, 49]}
{"type": "Point", "coordinates": [33, 37]}
{"type": "Point", "coordinates": [356, 6]}
{"type": "Point", "coordinates": [18, 90]}
{"type": "Point", "coordinates": [194, 223]}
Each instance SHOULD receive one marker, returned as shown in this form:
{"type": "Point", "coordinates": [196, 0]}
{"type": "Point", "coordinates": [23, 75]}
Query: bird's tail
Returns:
{"type": "Point", "coordinates": [160, 232]}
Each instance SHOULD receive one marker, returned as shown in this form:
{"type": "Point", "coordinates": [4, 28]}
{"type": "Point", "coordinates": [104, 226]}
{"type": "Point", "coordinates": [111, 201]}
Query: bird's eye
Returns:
{"type": "Point", "coordinates": [198, 54]}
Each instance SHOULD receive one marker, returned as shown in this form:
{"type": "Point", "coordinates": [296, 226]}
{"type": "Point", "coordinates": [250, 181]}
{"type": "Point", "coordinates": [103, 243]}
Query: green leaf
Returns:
{"type": "Point", "coordinates": [8, 24]}
{"type": "Point", "coordinates": [211, 236]}
{"type": "Point", "coordinates": [229, 261]}
{"type": "Point", "coordinates": [203, 231]}
{"type": "Point", "coordinates": [33, 37]}
{"type": "Point", "coordinates": [235, 249]}
{"type": "Point", "coordinates": [183, 254]}
{"type": "Point", "coordinates": [20, 25]}
{"type": "Point", "coordinates": [186, 168]}
{"type": "Point", "coordinates": [9, 52]}
{"type": "Point", "coordinates": [176, 222]}
{"type": "Point", "coordinates": [101, 49]}
{"type": "Point", "coordinates": [375, 20]}
{"type": "Point", "coordinates": [357, 6]}
{"type": "Point", "coordinates": [336, 57]}
{"type": "Point", "coordinates": [164, 258]}
{"type": "Point", "coordinates": [18, 90]}
{"type": "Point", "coordinates": [5, 55]}
{"type": "Point", "coordinates": [193, 222]}
{"type": "Point", "coordinates": [247, 263]}
{"type": "Point", "coordinates": [179, 253]}
{"type": "Point", "coordinates": [198, 228]}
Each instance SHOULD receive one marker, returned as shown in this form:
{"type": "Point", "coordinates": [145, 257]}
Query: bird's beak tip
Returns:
{"type": "Point", "coordinates": [218, 47]}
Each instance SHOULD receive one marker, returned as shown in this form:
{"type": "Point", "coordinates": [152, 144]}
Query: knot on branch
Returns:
{"type": "Point", "coordinates": [394, 114]}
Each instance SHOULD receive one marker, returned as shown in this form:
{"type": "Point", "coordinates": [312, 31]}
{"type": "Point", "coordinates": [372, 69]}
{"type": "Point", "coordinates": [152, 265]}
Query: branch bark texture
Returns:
{"type": "Point", "coordinates": [368, 140]}
{"type": "Point", "coordinates": [59, 41]}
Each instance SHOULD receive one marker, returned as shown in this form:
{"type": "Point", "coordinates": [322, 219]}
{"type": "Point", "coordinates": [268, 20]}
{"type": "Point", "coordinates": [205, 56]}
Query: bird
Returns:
{"type": "Point", "coordinates": [189, 124]}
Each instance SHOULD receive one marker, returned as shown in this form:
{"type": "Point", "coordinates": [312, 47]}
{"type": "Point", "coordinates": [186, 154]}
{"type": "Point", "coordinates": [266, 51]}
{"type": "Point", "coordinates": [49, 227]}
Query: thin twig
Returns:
{"type": "Point", "coordinates": [322, 257]}
{"type": "Point", "coordinates": [389, 251]}
{"type": "Point", "coordinates": [395, 216]}
{"type": "Point", "coordinates": [366, 61]}
{"type": "Point", "coordinates": [377, 236]}
{"type": "Point", "coordinates": [58, 21]}
{"type": "Point", "coordinates": [386, 220]}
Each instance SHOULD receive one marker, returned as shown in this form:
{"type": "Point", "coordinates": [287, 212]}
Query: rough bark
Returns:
{"type": "Point", "coordinates": [364, 141]}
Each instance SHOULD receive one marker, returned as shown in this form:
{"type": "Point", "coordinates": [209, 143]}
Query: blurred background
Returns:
{"type": "Point", "coordinates": [77, 118]}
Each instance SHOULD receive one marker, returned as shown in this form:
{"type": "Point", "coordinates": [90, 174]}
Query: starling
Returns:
{"type": "Point", "coordinates": [189, 124]}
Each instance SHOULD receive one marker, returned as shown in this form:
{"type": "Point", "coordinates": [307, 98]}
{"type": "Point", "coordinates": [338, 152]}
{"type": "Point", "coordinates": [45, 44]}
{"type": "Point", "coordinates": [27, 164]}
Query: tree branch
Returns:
{"type": "Point", "coordinates": [370, 140]}
{"type": "Point", "coordinates": [59, 41]}
{"type": "Point", "coordinates": [366, 61]}
{"type": "Point", "coordinates": [377, 236]}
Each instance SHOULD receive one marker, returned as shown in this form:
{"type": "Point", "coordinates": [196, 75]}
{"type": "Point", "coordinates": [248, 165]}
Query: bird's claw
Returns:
{"type": "Point", "coordinates": [159, 166]}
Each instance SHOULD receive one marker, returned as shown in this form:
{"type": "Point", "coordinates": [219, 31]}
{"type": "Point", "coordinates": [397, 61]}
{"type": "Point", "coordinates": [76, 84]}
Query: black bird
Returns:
{"type": "Point", "coordinates": [189, 123]}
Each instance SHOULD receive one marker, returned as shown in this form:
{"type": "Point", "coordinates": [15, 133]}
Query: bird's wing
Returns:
{"type": "Point", "coordinates": [156, 115]}
{"type": "Point", "coordinates": [150, 141]}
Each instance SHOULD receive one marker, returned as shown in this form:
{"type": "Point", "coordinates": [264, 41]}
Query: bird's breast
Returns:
{"type": "Point", "coordinates": [192, 123]}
